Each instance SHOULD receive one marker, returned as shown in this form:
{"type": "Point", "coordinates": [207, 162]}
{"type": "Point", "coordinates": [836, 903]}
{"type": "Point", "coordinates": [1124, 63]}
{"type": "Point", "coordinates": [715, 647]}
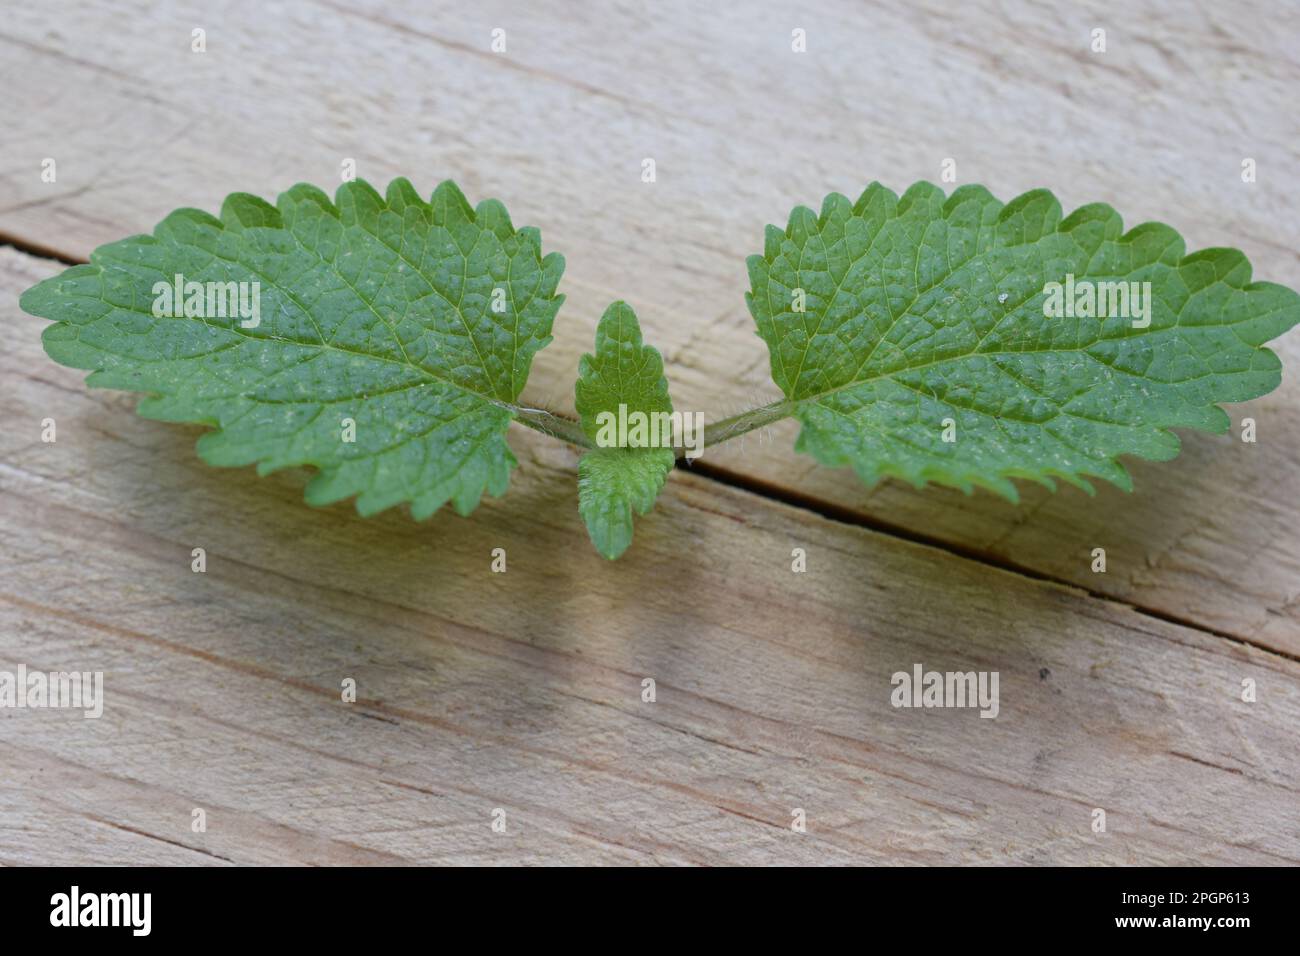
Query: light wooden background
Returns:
{"type": "Point", "coordinates": [522, 691]}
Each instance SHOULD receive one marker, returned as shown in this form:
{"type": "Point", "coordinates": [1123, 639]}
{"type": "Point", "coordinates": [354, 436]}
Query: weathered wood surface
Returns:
{"type": "Point", "coordinates": [741, 129]}
{"type": "Point", "coordinates": [523, 691]}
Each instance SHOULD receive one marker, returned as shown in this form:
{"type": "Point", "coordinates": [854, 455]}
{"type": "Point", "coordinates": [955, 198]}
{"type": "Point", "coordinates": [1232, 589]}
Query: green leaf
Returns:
{"type": "Point", "coordinates": [417, 321]}
{"type": "Point", "coordinates": [615, 481]}
{"type": "Point", "coordinates": [922, 309]}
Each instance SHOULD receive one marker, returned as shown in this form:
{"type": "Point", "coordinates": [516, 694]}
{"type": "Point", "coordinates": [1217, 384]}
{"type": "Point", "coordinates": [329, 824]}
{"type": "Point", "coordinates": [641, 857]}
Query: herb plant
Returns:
{"type": "Point", "coordinates": [932, 338]}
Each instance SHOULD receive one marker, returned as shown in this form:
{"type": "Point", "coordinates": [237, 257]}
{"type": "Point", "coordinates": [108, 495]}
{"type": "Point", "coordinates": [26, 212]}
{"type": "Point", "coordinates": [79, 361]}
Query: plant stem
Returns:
{"type": "Point", "coordinates": [737, 425]}
{"type": "Point", "coordinates": [566, 429]}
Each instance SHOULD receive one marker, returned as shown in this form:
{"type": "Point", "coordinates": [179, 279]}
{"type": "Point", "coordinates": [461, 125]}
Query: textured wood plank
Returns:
{"type": "Point", "coordinates": [522, 690]}
{"type": "Point", "coordinates": [741, 128]}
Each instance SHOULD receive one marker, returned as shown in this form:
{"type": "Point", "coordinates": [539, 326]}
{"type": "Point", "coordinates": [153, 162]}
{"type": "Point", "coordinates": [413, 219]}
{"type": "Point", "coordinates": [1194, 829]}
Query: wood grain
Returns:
{"type": "Point", "coordinates": [741, 129]}
{"type": "Point", "coordinates": [522, 691]}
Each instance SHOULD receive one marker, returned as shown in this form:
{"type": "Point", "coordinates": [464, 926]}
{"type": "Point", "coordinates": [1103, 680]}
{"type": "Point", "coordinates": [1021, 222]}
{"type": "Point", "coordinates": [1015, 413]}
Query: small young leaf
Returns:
{"type": "Point", "coordinates": [912, 340]}
{"type": "Point", "coordinates": [390, 339]}
{"type": "Point", "coordinates": [614, 481]}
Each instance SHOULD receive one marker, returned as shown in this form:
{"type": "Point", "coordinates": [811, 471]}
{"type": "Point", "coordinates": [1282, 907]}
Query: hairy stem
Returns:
{"type": "Point", "coordinates": [566, 429]}
{"type": "Point", "coordinates": [737, 425]}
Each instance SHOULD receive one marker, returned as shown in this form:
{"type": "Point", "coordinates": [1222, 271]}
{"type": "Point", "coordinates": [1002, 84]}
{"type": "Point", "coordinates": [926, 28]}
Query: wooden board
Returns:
{"type": "Point", "coordinates": [523, 691]}
{"type": "Point", "coordinates": [741, 129]}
